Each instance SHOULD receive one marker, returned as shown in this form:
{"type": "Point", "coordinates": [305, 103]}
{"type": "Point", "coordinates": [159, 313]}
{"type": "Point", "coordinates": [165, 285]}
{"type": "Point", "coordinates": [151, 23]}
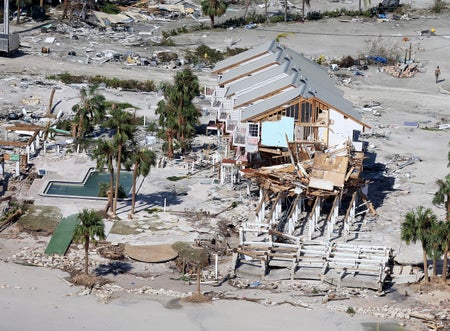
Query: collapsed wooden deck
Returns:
{"type": "Point", "coordinates": [260, 252]}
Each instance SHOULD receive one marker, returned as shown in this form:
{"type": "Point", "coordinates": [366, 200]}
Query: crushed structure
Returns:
{"type": "Point", "coordinates": [294, 137]}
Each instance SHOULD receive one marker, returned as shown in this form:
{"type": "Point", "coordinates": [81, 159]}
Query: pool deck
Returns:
{"type": "Point", "coordinates": [72, 168]}
{"type": "Point", "coordinates": [155, 190]}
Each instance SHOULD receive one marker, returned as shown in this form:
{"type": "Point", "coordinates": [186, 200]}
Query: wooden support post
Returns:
{"type": "Point", "coordinates": [50, 104]}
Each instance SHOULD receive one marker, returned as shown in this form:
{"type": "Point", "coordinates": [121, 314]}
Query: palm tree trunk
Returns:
{"type": "Point", "coordinates": [86, 255]}
{"type": "Point", "coordinates": [247, 4]}
{"type": "Point", "coordinates": [79, 127]}
{"type": "Point", "coordinates": [434, 266]}
{"type": "Point", "coordinates": [111, 189]}
{"type": "Point", "coordinates": [425, 265]}
{"type": "Point", "coordinates": [116, 195]}
{"type": "Point", "coordinates": [133, 192]}
{"type": "Point", "coordinates": [169, 145]}
{"type": "Point", "coordinates": [445, 265]}
{"type": "Point", "coordinates": [65, 8]}
{"type": "Point", "coordinates": [265, 10]}
{"type": "Point", "coordinates": [199, 271]}
{"type": "Point", "coordinates": [18, 11]}
{"type": "Point", "coordinates": [303, 9]}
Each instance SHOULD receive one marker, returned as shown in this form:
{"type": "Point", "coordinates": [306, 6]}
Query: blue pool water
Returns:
{"type": "Point", "coordinates": [89, 187]}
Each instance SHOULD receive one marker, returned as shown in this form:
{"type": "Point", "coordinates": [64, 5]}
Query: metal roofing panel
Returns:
{"type": "Point", "coordinates": [261, 90]}
{"type": "Point", "coordinates": [247, 68]}
{"type": "Point", "coordinates": [245, 56]}
{"type": "Point", "coordinates": [241, 85]}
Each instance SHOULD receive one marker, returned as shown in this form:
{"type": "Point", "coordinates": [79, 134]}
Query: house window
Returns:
{"type": "Point", "coordinates": [253, 130]}
{"type": "Point", "coordinates": [356, 134]}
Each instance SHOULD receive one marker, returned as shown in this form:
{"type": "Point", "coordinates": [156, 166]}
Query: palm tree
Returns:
{"type": "Point", "coordinates": [104, 153]}
{"type": "Point", "coordinates": [181, 94]}
{"type": "Point", "coordinates": [306, 3]}
{"type": "Point", "coordinates": [141, 161]}
{"type": "Point", "coordinates": [90, 228]}
{"type": "Point", "coordinates": [442, 237]}
{"type": "Point", "coordinates": [442, 197]}
{"type": "Point", "coordinates": [435, 244]}
{"type": "Point", "coordinates": [417, 227]}
{"type": "Point", "coordinates": [168, 126]}
{"type": "Point", "coordinates": [213, 8]}
{"type": "Point", "coordinates": [89, 112]}
{"type": "Point", "coordinates": [177, 114]}
{"type": "Point", "coordinates": [124, 125]}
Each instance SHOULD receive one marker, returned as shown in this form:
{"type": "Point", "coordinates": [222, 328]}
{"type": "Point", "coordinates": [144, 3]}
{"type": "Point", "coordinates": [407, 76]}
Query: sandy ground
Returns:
{"type": "Point", "coordinates": [38, 298]}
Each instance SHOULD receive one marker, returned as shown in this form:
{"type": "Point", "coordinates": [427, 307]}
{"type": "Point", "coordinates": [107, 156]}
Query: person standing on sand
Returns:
{"type": "Point", "coordinates": [437, 72]}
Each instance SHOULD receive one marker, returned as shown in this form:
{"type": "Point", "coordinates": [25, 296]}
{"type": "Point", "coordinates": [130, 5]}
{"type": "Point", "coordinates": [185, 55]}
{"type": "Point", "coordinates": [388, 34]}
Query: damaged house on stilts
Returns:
{"type": "Point", "coordinates": [293, 136]}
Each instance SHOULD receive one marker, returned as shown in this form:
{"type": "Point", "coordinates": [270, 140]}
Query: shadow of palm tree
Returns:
{"type": "Point", "coordinates": [114, 268]}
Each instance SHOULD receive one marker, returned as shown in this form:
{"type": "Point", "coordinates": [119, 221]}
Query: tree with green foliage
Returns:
{"type": "Point", "coordinates": [103, 154]}
{"type": "Point", "coordinates": [168, 126]}
{"type": "Point", "coordinates": [213, 8]}
{"type": "Point", "coordinates": [124, 125]}
{"type": "Point", "coordinates": [90, 228]}
{"type": "Point", "coordinates": [89, 111]}
{"type": "Point", "coordinates": [442, 198]}
{"type": "Point", "coordinates": [435, 244]}
{"type": "Point", "coordinates": [417, 227]}
{"type": "Point", "coordinates": [177, 114]}
{"type": "Point", "coordinates": [443, 239]}
{"type": "Point", "coordinates": [141, 161]}
{"type": "Point", "coordinates": [184, 90]}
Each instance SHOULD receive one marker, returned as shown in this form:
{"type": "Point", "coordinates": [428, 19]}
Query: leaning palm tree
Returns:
{"type": "Point", "coordinates": [124, 125]}
{"type": "Point", "coordinates": [141, 161]}
{"type": "Point", "coordinates": [442, 197]}
{"type": "Point", "coordinates": [89, 111]}
{"type": "Point", "coordinates": [416, 227]}
{"type": "Point", "coordinates": [103, 154]}
{"type": "Point", "coordinates": [90, 228]}
{"type": "Point", "coordinates": [213, 8]}
{"type": "Point", "coordinates": [168, 125]}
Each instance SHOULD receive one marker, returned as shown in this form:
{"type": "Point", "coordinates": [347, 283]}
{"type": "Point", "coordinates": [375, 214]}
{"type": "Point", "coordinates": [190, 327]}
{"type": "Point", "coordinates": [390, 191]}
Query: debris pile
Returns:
{"type": "Point", "coordinates": [402, 70]}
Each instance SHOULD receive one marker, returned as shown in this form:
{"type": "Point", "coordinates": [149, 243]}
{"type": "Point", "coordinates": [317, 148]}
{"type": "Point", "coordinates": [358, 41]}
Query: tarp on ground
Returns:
{"type": "Point", "coordinates": [62, 237]}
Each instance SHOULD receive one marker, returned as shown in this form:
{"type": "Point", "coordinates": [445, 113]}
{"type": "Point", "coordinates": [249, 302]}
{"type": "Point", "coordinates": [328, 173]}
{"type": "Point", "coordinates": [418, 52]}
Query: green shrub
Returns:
{"type": "Point", "coordinates": [110, 8]}
{"type": "Point", "coordinates": [350, 310]}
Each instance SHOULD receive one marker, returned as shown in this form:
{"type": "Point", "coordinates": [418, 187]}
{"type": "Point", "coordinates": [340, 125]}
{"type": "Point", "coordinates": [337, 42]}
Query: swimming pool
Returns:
{"type": "Point", "coordinates": [89, 187]}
